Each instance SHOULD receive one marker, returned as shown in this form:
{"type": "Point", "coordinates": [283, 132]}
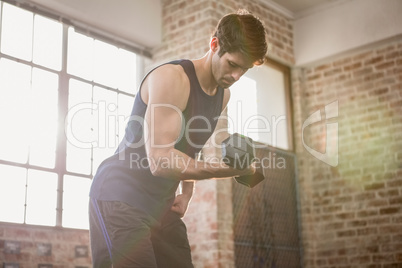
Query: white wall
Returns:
{"type": "Point", "coordinates": [345, 26]}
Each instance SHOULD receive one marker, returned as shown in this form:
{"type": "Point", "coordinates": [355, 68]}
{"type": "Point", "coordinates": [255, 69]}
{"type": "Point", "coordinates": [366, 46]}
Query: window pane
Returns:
{"type": "Point", "coordinates": [276, 111]}
{"type": "Point", "coordinates": [80, 55]}
{"type": "Point", "coordinates": [12, 193]}
{"type": "Point", "coordinates": [41, 198]}
{"type": "Point", "coordinates": [16, 32]}
{"type": "Point", "coordinates": [47, 42]}
{"type": "Point", "coordinates": [75, 202]}
{"type": "Point", "coordinates": [43, 123]}
{"type": "Point", "coordinates": [106, 69]}
{"type": "Point", "coordinates": [257, 107]}
{"type": "Point", "coordinates": [79, 127]}
{"type": "Point", "coordinates": [127, 78]}
{"type": "Point", "coordinates": [14, 110]}
{"type": "Point", "coordinates": [105, 124]}
{"type": "Point", "coordinates": [242, 108]}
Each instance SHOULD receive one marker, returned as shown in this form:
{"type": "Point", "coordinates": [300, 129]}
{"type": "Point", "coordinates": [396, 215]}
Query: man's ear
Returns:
{"type": "Point", "coordinates": [214, 44]}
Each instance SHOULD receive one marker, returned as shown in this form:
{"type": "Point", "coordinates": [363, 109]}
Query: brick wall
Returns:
{"type": "Point", "coordinates": [186, 31]}
{"type": "Point", "coordinates": [188, 24]}
{"type": "Point", "coordinates": [351, 213]}
{"type": "Point", "coordinates": [30, 239]}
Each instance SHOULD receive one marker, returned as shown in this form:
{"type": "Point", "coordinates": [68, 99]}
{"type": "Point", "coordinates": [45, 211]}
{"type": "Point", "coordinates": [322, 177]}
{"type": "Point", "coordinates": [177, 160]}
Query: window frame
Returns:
{"type": "Point", "coordinates": [286, 71]}
{"type": "Point", "coordinates": [60, 168]}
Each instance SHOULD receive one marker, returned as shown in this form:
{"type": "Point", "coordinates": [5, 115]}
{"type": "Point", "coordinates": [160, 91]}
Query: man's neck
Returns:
{"type": "Point", "coordinates": [204, 74]}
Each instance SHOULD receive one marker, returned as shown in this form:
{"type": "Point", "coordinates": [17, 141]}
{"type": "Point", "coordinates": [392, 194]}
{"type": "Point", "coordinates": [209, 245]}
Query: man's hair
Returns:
{"type": "Point", "coordinates": [242, 32]}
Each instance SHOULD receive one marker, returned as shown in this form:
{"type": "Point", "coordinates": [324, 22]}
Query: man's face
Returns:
{"type": "Point", "coordinates": [229, 68]}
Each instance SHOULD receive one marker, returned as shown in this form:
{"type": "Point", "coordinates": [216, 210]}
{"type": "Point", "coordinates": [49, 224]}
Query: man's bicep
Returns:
{"type": "Point", "coordinates": [167, 99]}
{"type": "Point", "coordinates": [163, 127]}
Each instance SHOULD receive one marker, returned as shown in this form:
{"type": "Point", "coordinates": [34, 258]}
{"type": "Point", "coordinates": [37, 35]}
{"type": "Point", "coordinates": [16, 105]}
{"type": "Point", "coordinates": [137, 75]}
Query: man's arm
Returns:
{"type": "Point", "coordinates": [166, 96]}
{"type": "Point", "coordinates": [183, 199]}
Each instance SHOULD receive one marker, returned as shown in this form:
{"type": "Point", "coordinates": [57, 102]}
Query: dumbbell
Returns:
{"type": "Point", "coordinates": [238, 151]}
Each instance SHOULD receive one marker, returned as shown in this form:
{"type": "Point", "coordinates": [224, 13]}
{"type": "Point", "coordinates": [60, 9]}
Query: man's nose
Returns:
{"type": "Point", "coordinates": [237, 74]}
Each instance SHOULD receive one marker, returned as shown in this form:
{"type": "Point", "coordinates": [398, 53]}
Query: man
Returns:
{"type": "Point", "coordinates": [135, 217]}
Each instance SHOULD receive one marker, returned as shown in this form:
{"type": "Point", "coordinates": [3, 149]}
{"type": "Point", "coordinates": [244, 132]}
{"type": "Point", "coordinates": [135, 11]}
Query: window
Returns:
{"type": "Point", "coordinates": [259, 106]}
{"type": "Point", "coordinates": [64, 101]}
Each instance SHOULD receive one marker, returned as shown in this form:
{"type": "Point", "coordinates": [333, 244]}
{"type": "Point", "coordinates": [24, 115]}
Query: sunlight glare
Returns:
{"type": "Point", "coordinates": [14, 110]}
{"type": "Point", "coordinates": [242, 107]}
{"type": "Point", "coordinates": [16, 32]}
{"type": "Point", "coordinates": [41, 208]}
{"type": "Point", "coordinates": [47, 42]}
{"type": "Point", "coordinates": [12, 193]}
{"type": "Point", "coordinates": [43, 123]}
{"type": "Point", "coordinates": [75, 202]}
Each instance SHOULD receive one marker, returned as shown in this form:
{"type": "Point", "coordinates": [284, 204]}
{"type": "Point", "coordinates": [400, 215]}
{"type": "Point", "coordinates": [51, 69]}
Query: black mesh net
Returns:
{"type": "Point", "coordinates": [266, 231]}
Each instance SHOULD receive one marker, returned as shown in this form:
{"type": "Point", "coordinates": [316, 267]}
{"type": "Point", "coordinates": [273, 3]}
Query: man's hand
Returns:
{"type": "Point", "coordinates": [183, 199]}
{"type": "Point", "coordinates": [180, 204]}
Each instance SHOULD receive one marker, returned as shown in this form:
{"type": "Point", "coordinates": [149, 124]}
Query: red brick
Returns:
{"type": "Point", "coordinates": [333, 226]}
{"type": "Point", "coordinates": [322, 67]}
{"type": "Point", "coordinates": [363, 56]}
{"type": "Point", "coordinates": [313, 77]}
{"type": "Point", "coordinates": [396, 104]}
{"type": "Point", "coordinates": [352, 67]}
{"type": "Point", "coordinates": [397, 238]}
{"type": "Point", "coordinates": [347, 233]}
{"type": "Point", "coordinates": [338, 261]}
{"type": "Point", "coordinates": [343, 199]}
{"type": "Point", "coordinates": [345, 216]}
{"type": "Point", "coordinates": [332, 72]}
{"type": "Point", "coordinates": [379, 91]}
{"type": "Point", "coordinates": [391, 248]}
{"type": "Point", "coordinates": [385, 65]}
{"type": "Point", "coordinates": [386, 49]}
{"type": "Point", "coordinates": [367, 213]}
{"type": "Point", "coordinates": [365, 71]}
{"type": "Point", "coordinates": [377, 203]}
{"type": "Point", "coordinates": [390, 229]}
{"type": "Point", "coordinates": [321, 262]}
{"type": "Point", "coordinates": [393, 265]}
{"type": "Point", "coordinates": [347, 251]}
{"type": "Point", "coordinates": [372, 77]}
{"type": "Point", "coordinates": [389, 210]}
{"type": "Point", "coordinates": [374, 60]}
{"type": "Point", "coordinates": [365, 196]}
{"type": "Point", "coordinates": [325, 253]}
{"type": "Point", "coordinates": [374, 186]}
{"type": "Point", "coordinates": [360, 259]}
{"type": "Point", "coordinates": [378, 221]}
{"type": "Point", "coordinates": [357, 223]}
{"type": "Point", "coordinates": [372, 249]}
{"type": "Point", "coordinates": [332, 209]}
{"type": "Point", "coordinates": [374, 266]}
{"type": "Point", "coordinates": [395, 201]}
{"type": "Point", "coordinates": [382, 258]}
{"type": "Point", "coordinates": [367, 231]}
{"type": "Point", "coordinates": [392, 55]}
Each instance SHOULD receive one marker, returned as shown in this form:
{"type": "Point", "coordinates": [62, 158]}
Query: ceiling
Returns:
{"type": "Point", "coordinates": [136, 21]}
{"type": "Point", "coordinates": [139, 21]}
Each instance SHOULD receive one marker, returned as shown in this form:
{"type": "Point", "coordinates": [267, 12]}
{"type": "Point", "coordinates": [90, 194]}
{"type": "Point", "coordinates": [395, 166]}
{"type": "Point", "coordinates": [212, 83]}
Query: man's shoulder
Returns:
{"type": "Point", "coordinates": [169, 83]}
{"type": "Point", "coordinates": [170, 74]}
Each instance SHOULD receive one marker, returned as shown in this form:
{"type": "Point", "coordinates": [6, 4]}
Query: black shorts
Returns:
{"type": "Point", "coordinates": [126, 237]}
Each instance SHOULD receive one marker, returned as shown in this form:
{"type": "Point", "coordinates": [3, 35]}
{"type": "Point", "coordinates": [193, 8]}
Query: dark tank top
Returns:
{"type": "Point", "coordinates": [126, 177]}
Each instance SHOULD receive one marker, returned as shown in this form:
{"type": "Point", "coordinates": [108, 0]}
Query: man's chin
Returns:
{"type": "Point", "coordinates": [225, 85]}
